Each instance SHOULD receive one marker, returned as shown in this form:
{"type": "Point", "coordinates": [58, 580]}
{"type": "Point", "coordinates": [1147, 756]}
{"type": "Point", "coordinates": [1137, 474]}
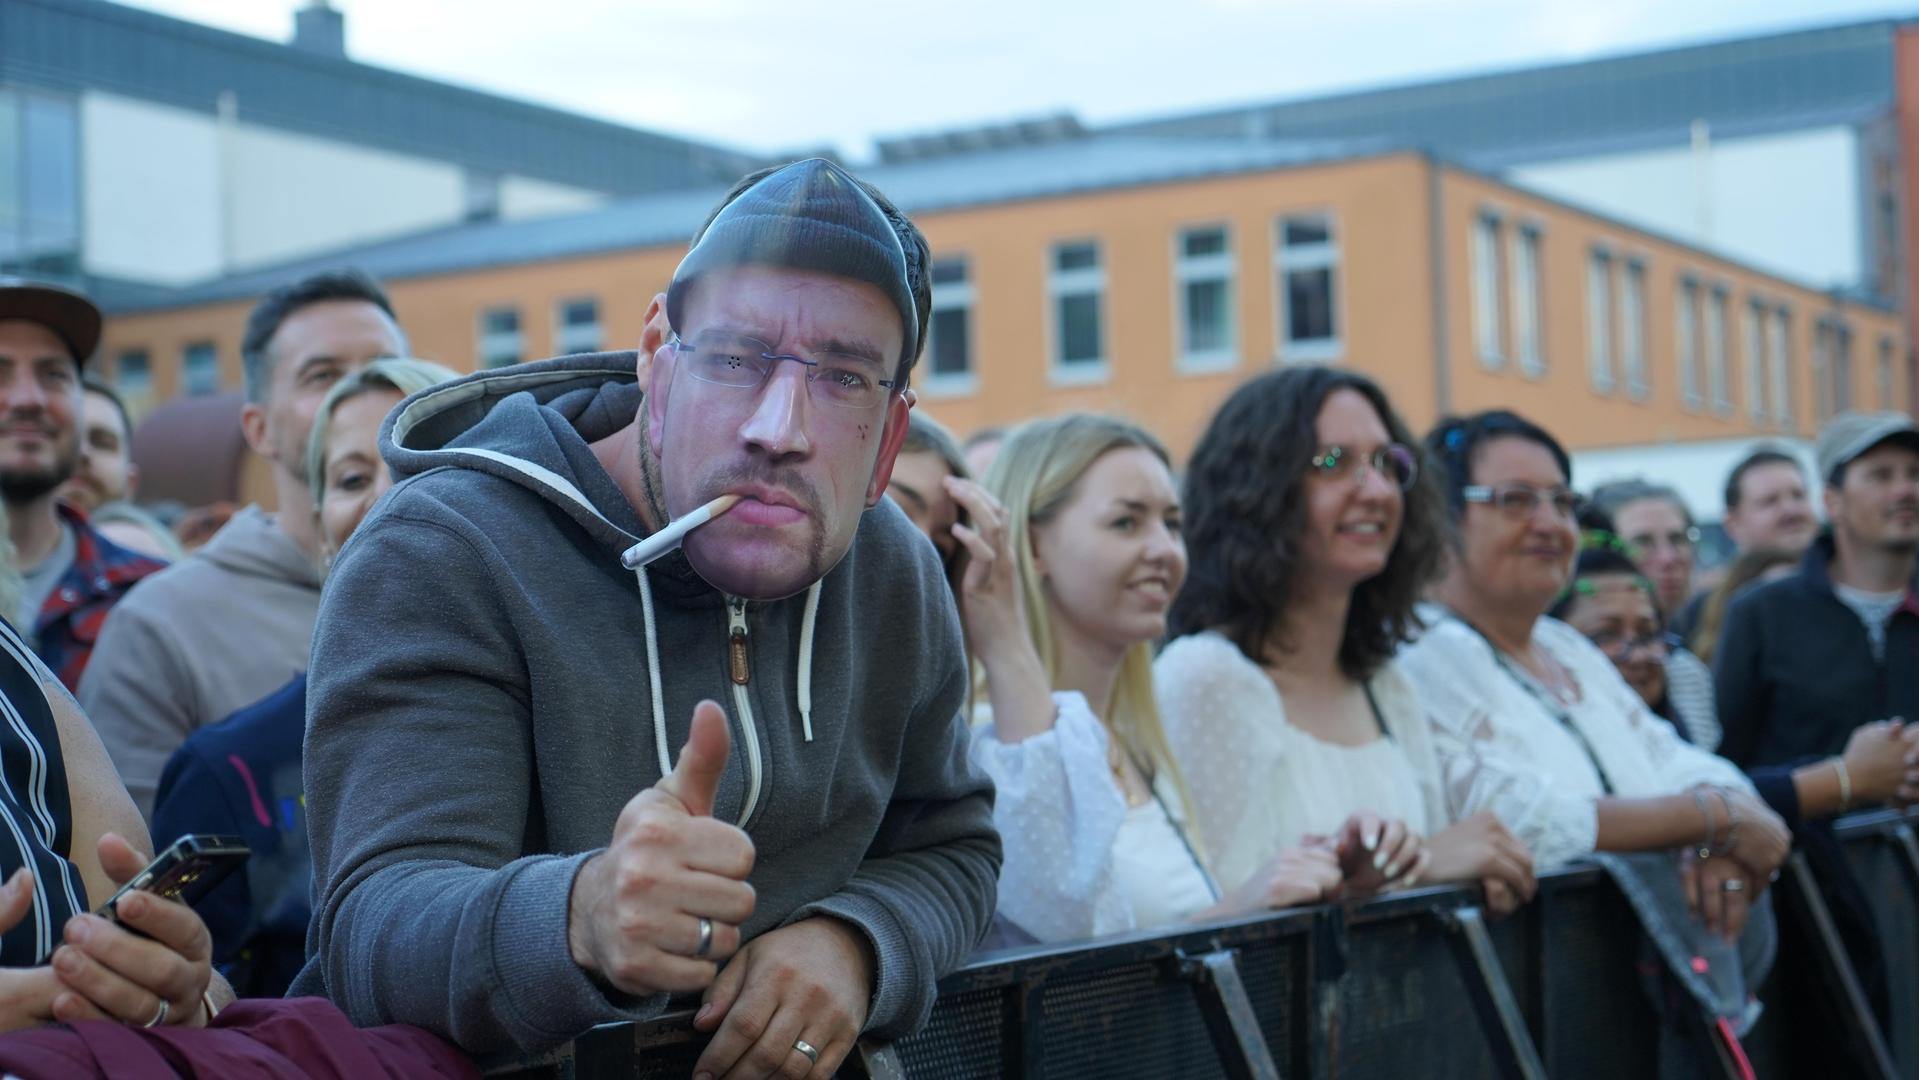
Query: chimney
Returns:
{"type": "Point", "coordinates": [320, 30]}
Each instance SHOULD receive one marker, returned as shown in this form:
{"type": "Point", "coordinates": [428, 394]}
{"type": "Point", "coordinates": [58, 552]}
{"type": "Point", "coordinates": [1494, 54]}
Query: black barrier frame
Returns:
{"type": "Point", "coordinates": [1521, 1031]}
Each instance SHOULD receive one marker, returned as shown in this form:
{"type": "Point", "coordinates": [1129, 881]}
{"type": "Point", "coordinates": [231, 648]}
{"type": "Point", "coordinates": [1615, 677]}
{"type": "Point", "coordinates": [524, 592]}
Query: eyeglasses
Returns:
{"type": "Point", "coordinates": [1394, 461]}
{"type": "Point", "coordinates": [1618, 646]}
{"type": "Point", "coordinates": [1521, 500]}
{"type": "Point", "coordinates": [724, 358]}
{"type": "Point", "coordinates": [1680, 540]}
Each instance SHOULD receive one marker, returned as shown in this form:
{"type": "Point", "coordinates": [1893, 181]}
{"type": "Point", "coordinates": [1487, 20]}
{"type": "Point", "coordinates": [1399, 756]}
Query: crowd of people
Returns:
{"type": "Point", "coordinates": [508, 772]}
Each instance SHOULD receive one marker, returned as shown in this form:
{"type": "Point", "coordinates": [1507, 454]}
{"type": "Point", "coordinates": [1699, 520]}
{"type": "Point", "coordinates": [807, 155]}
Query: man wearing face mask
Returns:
{"type": "Point", "coordinates": [546, 791]}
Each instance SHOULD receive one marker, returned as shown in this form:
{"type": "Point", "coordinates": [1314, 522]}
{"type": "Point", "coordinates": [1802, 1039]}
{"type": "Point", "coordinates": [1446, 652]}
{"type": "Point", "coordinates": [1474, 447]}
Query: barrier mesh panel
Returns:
{"type": "Point", "coordinates": [962, 1040]}
{"type": "Point", "coordinates": [1403, 1008]}
{"type": "Point", "coordinates": [1129, 1022]}
{"type": "Point", "coordinates": [1274, 974]}
{"type": "Point", "coordinates": [1889, 891]}
{"type": "Point", "coordinates": [1602, 1025]}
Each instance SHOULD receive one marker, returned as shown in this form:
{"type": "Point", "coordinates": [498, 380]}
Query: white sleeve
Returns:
{"type": "Point", "coordinates": [1480, 766]}
{"type": "Point", "coordinates": [1058, 812]}
{"type": "Point", "coordinates": [1405, 718]}
{"type": "Point", "coordinates": [1227, 750]}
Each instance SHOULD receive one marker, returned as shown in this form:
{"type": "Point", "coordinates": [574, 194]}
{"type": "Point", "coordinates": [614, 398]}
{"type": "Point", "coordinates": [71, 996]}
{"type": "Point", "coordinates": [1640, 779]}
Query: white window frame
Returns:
{"type": "Point", "coordinates": [1718, 375]}
{"type": "Point", "coordinates": [565, 337]}
{"type": "Point", "coordinates": [1752, 339]}
{"type": "Point", "coordinates": [1779, 364]}
{"type": "Point", "coordinates": [1060, 285]}
{"type": "Point", "coordinates": [1307, 257]}
{"type": "Point", "coordinates": [1529, 298]}
{"type": "Point", "coordinates": [950, 296]}
{"type": "Point", "coordinates": [1487, 257]}
{"type": "Point", "coordinates": [491, 343]}
{"type": "Point", "coordinates": [1195, 269]}
{"type": "Point", "coordinates": [1600, 347]}
{"type": "Point", "coordinates": [1632, 328]}
{"type": "Point", "coordinates": [1686, 341]}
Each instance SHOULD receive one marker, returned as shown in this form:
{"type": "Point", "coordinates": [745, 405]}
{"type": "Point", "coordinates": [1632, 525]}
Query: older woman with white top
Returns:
{"type": "Point", "coordinates": [1074, 559]}
{"type": "Point", "coordinates": [1533, 722]}
{"type": "Point", "coordinates": [1313, 533]}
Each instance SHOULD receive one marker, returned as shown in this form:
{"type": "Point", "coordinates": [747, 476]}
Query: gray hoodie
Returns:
{"type": "Point", "coordinates": [196, 643]}
{"type": "Point", "coordinates": [489, 688]}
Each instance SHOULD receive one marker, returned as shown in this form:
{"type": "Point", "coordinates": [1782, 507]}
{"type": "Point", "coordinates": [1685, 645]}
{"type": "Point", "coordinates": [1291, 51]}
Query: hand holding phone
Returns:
{"type": "Point", "coordinates": [186, 871]}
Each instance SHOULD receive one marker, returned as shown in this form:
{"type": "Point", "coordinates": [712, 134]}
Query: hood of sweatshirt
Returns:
{"type": "Point", "coordinates": [253, 544]}
{"type": "Point", "coordinates": [532, 425]}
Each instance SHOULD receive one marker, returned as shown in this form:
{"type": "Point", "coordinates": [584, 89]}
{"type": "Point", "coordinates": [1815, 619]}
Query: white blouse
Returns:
{"type": "Point", "coordinates": [1501, 748]}
{"type": "Point", "coordinates": [1259, 783]}
{"type": "Point", "coordinates": [1062, 818]}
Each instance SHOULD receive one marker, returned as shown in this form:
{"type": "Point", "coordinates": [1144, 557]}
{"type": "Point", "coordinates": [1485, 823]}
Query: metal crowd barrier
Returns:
{"type": "Point", "coordinates": [1414, 984]}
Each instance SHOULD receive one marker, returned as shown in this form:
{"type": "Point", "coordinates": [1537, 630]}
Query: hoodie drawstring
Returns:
{"type": "Point", "coordinates": [807, 623]}
{"type": "Point", "coordinates": [653, 672]}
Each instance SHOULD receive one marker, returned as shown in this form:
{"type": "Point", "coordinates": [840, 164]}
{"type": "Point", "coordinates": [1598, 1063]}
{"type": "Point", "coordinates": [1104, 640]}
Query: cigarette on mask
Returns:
{"type": "Point", "coordinates": [667, 539]}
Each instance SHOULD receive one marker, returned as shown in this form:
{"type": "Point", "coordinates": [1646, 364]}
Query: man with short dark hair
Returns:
{"type": "Point", "coordinates": [1767, 505]}
{"type": "Point", "coordinates": [230, 625]}
{"type": "Point", "coordinates": [72, 574]}
{"type": "Point", "coordinates": [106, 471]}
{"type": "Point", "coordinates": [1806, 659]}
{"type": "Point", "coordinates": [506, 850]}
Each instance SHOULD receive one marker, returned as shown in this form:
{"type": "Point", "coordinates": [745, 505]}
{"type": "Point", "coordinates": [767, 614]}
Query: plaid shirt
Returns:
{"type": "Point", "coordinates": [71, 617]}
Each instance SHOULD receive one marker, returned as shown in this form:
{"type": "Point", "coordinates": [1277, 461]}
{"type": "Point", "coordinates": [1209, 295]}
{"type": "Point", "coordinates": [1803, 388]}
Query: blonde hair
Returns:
{"type": "Point", "coordinates": [405, 374]}
{"type": "Point", "coordinates": [1036, 474]}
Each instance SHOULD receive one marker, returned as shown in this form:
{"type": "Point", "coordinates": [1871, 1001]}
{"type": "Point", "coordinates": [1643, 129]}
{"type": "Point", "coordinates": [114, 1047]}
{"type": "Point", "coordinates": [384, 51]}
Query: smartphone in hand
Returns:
{"type": "Point", "coordinates": [186, 871]}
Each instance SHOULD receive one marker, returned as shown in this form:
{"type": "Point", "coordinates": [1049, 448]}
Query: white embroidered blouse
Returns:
{"type": "Point", "coordinates": [1506, 744]}
{"type": "Point", "coordinates": [1259, 784]}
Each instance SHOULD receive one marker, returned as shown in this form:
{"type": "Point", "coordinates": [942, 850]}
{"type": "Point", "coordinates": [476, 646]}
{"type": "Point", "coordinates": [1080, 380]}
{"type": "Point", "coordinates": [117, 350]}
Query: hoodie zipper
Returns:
{"type": "Point", "coordinates": [740, 672]}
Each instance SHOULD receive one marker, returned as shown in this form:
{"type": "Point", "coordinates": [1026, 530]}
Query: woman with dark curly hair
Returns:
{"type": "Point", "coordinates": [1312, 534]}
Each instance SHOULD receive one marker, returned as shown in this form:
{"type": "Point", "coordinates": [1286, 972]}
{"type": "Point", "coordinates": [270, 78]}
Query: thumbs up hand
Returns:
{"type": "Point", "coordinates": [660, 907]}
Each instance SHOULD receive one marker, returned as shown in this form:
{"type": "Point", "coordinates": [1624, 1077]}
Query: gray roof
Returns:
{"type": "Point", "coordinates": [670, 217]}
{"type": "Point", "coordinates": [1830, 75]}
{"type": "Point", "coordinates": [75, 45]}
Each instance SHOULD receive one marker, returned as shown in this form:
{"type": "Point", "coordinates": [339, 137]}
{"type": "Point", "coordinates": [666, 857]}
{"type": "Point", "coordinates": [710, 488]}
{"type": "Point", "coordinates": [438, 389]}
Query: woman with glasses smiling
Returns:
{"type": "Point", "coordinates": [1313, 534]}
{"type": "Point", "coordinates": [1533, 722]}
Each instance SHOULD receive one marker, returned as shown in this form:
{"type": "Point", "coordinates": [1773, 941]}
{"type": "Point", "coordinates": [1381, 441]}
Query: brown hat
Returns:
{"type": "Point", "coordinates": [1851, 434]}
{"type": "Point", "coordinates": [63, 311]}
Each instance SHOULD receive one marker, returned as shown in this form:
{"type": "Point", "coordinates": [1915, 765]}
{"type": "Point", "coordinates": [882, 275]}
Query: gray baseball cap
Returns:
{"type": "Point", "coordinates": [71, 317]}
{"type": "Point", "coordinates": [1850, 434]}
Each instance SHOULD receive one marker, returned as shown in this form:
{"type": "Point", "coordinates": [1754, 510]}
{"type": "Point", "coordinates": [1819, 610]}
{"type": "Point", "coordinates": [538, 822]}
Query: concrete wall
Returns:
{"type": "Point", "coordinates": [522, 197]}
{"type": "Point", "coordinates": [1787, 203]}
{"type": "Point", "coordinates": [150, 191]}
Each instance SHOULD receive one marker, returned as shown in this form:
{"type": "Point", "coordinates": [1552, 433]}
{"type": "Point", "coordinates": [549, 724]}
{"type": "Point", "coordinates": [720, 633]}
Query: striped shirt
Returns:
{"type": "Point", "coordinates": [36, 817]}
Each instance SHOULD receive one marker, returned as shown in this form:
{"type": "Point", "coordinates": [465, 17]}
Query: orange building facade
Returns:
{"type": "Point", "coordinates": [1456, 291]}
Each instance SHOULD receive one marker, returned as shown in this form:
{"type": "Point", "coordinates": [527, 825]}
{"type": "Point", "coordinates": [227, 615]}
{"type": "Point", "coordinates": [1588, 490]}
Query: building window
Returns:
{"type": "Point", "coordinates": [39, 186]}
{"type": "Point", "coordinates": [1599, 320]}
{"type": "Point", "coordinates": [1779, 362]}
{"type": "Point", "coordinates": [133, 375]}
{"type": "Point", "coordinates": [1632, 329]}
{"type": "Point", "coordinates": [1686, 318]}
{"type": "Point", "coordinates": [1528, 301]}
{"type": "Point", "coordinates": [949, 346]}
{"type": "Point", "coordinates": [1078, 288]}
{"type": "Point", "coordinates": [1752, 338]}
{"type": "Point", "coordinates": [577, 327]}
{"type": "Point", "coordinates": [1716, 381]}
{"type": "Point", "coordinates": [1203, 280]}
{"type": "Point", "coordinates": [200, 368]}
{"type": "Point", "coordinates": [501, 342]}
{"type": "Point", "coordinates": [1882, 377]}
{"type": "Point", "coordinates": [1488, 292]}
{"type": "Point", "coordinates": [1306, 262]}
{"type": "Point", "coordinates": [1841, 367]}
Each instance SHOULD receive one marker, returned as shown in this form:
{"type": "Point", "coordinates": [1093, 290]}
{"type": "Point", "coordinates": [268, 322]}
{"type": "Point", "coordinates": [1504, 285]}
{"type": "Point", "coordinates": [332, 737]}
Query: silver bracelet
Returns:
{"type": "Point", "coordinates": [1845, 784]}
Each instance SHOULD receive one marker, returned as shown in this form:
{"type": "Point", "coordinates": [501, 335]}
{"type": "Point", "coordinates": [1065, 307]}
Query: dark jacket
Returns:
{"type": "Point", "coordinates": [1795, 672]}
{"type": "Point", "coordinates": [241, 777]}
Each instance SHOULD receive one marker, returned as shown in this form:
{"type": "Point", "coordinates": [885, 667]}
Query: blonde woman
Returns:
{"type": "Point", "coordinates": [1074, 559]}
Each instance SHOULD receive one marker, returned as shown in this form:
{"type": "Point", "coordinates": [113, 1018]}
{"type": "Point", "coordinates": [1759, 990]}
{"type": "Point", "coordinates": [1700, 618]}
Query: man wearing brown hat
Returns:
{"type": "Point", "coordinates": [72, 574]}
{"type": "Point", "coordinates": [1806, 659]}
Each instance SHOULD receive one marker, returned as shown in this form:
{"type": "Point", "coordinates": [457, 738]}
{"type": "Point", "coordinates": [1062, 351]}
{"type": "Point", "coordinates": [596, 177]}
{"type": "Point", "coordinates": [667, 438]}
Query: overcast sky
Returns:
{"type": "Point", "coordinates": [771, 75]}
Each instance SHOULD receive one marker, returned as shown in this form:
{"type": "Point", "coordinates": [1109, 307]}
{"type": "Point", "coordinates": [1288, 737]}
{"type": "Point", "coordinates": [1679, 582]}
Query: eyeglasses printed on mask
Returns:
{"type": "Point", "coordinates": [726, 358]}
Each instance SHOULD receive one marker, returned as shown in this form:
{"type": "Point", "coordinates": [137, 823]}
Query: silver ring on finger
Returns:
{"type": "Point", "coordinates": [159, 1017]}
{"type": "Point", "coordinates": [706, 939]}
{"type": "Point", "coordinates": [1733, 885]}
{"type": "Point", "coordinates": [806, 1048]}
